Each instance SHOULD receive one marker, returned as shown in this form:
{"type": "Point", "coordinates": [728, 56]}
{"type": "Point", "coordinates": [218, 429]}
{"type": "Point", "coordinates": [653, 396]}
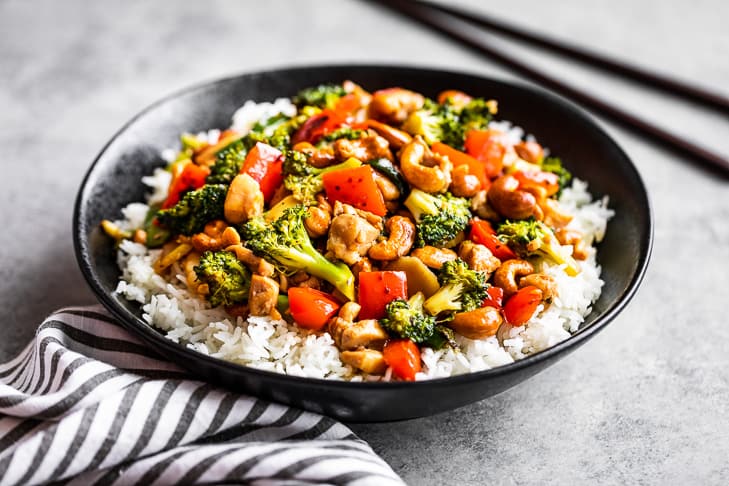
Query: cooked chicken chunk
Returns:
{"type": "Point", "coordinates": [262, 296]}
{"type": "Point", "coordinates": [368, 360]}
{"type": "Point", "coordinates": [366, 148]}
{"type": "Point", "coordinates": [478, 257]}
{"type": "Point", "coordinates": [350, 238]}
{"type": "Point", "coordinates": [353, 335]}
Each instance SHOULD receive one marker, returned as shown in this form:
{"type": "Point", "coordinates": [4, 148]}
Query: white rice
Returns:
{"type": "Point", "coordinates": [278, 346]}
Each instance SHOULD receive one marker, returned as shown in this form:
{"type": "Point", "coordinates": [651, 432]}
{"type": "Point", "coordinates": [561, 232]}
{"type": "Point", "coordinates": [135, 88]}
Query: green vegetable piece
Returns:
{"type": "Point", "coordinates": [322, 96]}
{"type": "Point", "coordinates": [286, 244]}
{"type": "Point", "coordinates": [195, 210]}
{"type": "Point", "coordinates": [228, 280]}
{"type": "Point", "coordinates": [529, 237]}
{"type": "Point", "coordinates": [406, 319]}
{"type": "Point", "coordinates": [439, 217]}
{"type": "Point", "coordinates": [304, 180]}
{"type": "Point", "coordinates": [447, 122]}
{"type": "Point", "coordinates": [462, 290]}
{"type": "Point", "coordinates": [156, 235]}
{"type": "Point", "coordinates": [554, 165]}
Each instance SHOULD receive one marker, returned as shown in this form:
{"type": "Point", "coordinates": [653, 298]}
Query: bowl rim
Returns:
{"type": "Point", "coordinates": [133, 323]}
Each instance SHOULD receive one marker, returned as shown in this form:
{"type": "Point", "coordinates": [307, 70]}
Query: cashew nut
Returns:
{"type": "Point", "coordinates": [396, 138]}
{"type": "Point", "coordinates": [423, 169]}
{"type": "Point", "coordinates": [244, 199]}
{"type": "Point", "coordinates": [317, 222]}
{"type": "Point", "coordinates": [389, 191]}
{"type": "Point", "coordinates": [530, 151]}
{"type": "Point", "coordinates": [256, 264]}
{"type": "Point", "coordinates": [477, 324]}
{"type": "Point", "coordinates": [543, 282]}
{"type": "Point", "coordinates": [481, 207]}
{"type": "Point", "coordinates": [402, 237]}
{"type": "Point", "coordinates": [394, 104]}
{"type": "Point", "coordinates": [568, 236]}
{"type": "Point", "coordinates": [434, 257]}
{"type": "Point", "coordinates": [509, 201]}
{"type": "Point", "coordinates": [215, 236]}
{"type": "Point", "coordinates": [505, 276]}
{"type": "Point", "coordinates": [349, 311]}
{"type": "Point", "coordinates": [464, 184]}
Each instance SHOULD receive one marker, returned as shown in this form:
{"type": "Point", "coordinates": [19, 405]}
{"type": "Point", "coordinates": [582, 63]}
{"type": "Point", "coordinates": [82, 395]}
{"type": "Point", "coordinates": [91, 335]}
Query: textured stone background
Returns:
{"type": "Point", "coordinates": [645, 402]}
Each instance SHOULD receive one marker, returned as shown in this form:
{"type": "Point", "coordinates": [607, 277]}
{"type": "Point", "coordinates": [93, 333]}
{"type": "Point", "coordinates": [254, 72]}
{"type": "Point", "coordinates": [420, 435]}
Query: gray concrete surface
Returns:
{"type": "Point", "coordinates": [645, 402]}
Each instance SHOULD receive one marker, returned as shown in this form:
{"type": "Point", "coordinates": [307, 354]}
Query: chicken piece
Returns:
{"type": "Point", "coordinates": [361, 334]}
{"type": "Point", "coordinates": [478, 257]}
{"type": "Point", "coordinates": [368, 360]}
{"type": "Point", "coordinates": [351, 237]}
{"type": "Point", "coordinates": [371, 218]}
{"type": "Point", "coordinates": [263, 296]}
{"type": "Point", "coordinates": [369, 147]}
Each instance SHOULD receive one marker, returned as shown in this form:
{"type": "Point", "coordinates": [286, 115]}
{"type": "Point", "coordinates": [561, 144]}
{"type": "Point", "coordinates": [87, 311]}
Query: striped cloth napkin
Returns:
{"type": "Point", "coordinates": [87, 403]}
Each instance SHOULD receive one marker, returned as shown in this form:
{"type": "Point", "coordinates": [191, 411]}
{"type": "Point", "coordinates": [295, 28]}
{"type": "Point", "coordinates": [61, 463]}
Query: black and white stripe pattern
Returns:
{"type": "Point", "coordinates": [86, 403]}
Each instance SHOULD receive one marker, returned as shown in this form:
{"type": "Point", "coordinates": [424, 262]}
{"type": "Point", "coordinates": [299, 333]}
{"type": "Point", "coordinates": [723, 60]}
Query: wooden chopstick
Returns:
{"type": "Point", "coordinates": [435, 19]}
{"type": "Point", "coordinates": [670, 85]}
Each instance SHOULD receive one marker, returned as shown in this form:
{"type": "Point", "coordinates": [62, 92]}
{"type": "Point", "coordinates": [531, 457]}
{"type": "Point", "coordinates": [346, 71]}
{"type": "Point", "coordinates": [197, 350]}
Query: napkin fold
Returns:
{"type": "Point", "coordinates": [87, 403]}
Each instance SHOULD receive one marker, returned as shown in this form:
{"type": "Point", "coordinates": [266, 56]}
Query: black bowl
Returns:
{"type": "Point", "coordinates": [114, 181]}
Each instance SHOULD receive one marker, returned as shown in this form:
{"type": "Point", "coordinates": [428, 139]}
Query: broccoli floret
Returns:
{"type": "Point", "coordinates": [195, 209]}
{"type": "Point", "coordinates": [348, 133]}
{"type": "Point", "coordinates": [304, 180]}
{"type": "Point", "coordinates": [554, 165]}
{"type": "Point", "coordinates": [461, 289]}
{"type": "Point", "coordinates": [406, 319]}
{"type": "Point", "coordinates": [229, 160]}
{"type": "Point", "coordinates": [529, 237]}
{"type": "Point", "coordinates": [286, 243]}
{"type": "Point", "coordinates": [436, 123]}
{"type": "Point", "coordinates": [440, 217]}
{"type": "Point", "coordinates": [228, 280]}
{"type": "Point", "coordinates": [448, 123]}
{"type": "Point", "coordinates": [322, 96]}
{"type": "Point", "coordinates": [277, 130]}
{"type": "Point", "coordinates": [476, 115]}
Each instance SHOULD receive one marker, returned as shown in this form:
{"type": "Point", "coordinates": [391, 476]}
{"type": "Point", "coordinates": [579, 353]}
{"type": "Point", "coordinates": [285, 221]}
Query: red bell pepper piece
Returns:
{"type": "Point", "coordinates": [521, 306]}
{"type": "Point", "coordinates": [495, 297]}
{"type": "Point", "coordinates": [403, 356]}
{"type": "Point", "coordinates": [475, 166]}
{"type": "Point", "coordinates": [377, 289]}
{"type": "Point", "coordinates": [485, 146]}
{"type": "Point", "coordinates": [483, 233]}
{"type": "Point", "coordinates": [317, 126]}
{"type": "Point", "coordinates": [356, 187]}
{"type": "Point", "coordinates": [311, 308]}
{"type": "Point", "coordinates": [185, 176]}
{"type": "Point", "coordinates": [265, 165]}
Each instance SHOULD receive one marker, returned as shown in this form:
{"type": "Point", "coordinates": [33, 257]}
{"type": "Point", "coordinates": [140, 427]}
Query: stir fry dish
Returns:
{"type": "Point", "coordinates": [381, 235]}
